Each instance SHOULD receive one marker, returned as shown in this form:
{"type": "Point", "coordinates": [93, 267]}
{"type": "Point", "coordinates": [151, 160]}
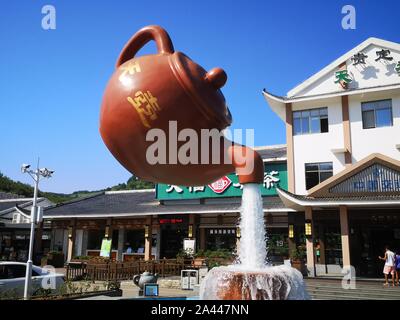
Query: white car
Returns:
{"type": "Point", "coordinates": [12, 280]}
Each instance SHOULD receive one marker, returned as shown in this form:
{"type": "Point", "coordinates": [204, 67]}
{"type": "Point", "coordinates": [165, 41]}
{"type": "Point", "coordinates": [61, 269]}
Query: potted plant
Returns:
{"type": "Point", "coordinates": [184, 256]}
{"type": "Point", "coordinates": [200, 259]}
{"type": "Point", "coordinates": [298, 256]}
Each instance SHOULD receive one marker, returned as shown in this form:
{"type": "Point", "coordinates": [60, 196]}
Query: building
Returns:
{"type": "Point", "coordinates": [15, 227]}
{"type": "Point", "coordinates": [152, 224]}
{"type": "Point", "coordinates": [343, 143]}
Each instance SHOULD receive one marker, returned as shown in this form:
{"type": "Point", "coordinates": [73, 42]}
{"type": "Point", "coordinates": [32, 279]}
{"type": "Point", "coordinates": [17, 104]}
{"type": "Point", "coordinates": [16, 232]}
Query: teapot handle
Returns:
{"type": "Point", "coordinates": [140, 38]}
{"type": "Point", "coordinates": [136, 279]}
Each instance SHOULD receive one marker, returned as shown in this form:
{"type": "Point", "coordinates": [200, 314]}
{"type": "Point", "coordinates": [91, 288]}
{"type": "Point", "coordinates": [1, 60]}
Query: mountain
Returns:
{"type": "Point", "coordinates": [23, 189]}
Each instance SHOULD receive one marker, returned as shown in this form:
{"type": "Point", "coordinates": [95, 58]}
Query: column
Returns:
{"type": "Point", "coordinates": [290, 147]}
{"type": "Point", "coordinates": [37, 249]}
{"type": "Point", "coordinates": [192, 222]}
{"type": "Point", "coordinates": [71, 240]}
{"type": "Point", "coordinates": [121, 241]}
{"type": "Point", "coordinates": [291, 241]}
{"type": "Point", "coordinates": [321, 241]}
{"type": "Point", "coordinates": [344, 230]}
{"type": "Point", "coordinates": [346, 130]}
{"type": "Point", "coordinates": [202, 239]}
{"type": "Point", "coordinates": [85, 241]}
{"type": "Point", "coordinates": [310, 244]}
{"type": "Point", "coordinates": [147, 240]}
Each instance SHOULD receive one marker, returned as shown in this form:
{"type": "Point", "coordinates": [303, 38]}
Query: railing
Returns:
{"type": "Point", "coordinates": [123, 270]}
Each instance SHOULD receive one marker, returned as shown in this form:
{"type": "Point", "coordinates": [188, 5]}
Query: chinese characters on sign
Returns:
{"type": "Point", "coordinates": [373, 185]}
{"type": "Point", "coordinates": [397, 68]}
{"type": "Point", "coordinates": [359, 58]}
{"type": "Point", "coordinates": [174, 188]}
{"type": "Point", "coordinates": [377, 183]}
{"type": "Point", "coordinates": [271, 180]}
{"type": "Point", "coordinates": [146, 105]}
{"type": "Point", "coordinates": [383, 54]}
{"type": "Point", "coordinates": [342, 77]}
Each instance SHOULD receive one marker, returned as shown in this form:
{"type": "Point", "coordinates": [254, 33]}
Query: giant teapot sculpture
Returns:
{"type": "Point", "coordinates": [157, 90]}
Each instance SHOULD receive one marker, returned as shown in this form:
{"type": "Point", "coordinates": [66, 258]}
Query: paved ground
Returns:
{"type": "Point", "coordinates": [131, 291]}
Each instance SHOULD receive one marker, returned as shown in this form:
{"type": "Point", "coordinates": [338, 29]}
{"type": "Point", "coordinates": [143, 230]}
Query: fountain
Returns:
{"type": "Point", "coordinates": [250, 278]}
{"type": "Point", "coordinates": [153, 91]}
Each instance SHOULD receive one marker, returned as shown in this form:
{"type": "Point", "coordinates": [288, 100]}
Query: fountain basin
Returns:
{"type": "Point", "coordinates": [269, 283]}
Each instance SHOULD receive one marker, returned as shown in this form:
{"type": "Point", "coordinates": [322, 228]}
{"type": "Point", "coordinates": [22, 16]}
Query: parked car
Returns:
{"type": "Point", "coordinates": [12, 279]}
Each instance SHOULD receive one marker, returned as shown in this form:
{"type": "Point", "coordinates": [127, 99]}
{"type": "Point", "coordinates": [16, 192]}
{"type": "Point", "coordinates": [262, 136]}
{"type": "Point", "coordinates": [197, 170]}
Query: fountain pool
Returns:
{"type": "Point", "coordinates": [251, 277]}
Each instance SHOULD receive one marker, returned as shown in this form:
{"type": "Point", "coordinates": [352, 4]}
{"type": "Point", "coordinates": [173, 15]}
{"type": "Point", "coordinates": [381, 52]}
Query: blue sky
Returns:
{"type": "Point", "coordinates": [51, 82]}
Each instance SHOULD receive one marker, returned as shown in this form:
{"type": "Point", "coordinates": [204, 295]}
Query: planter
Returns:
{"type": "Point", "coordinates": [199, 262]}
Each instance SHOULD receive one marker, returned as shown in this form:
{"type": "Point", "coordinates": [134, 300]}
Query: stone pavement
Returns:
{"type": "Point", "coordinates": [131, 291]}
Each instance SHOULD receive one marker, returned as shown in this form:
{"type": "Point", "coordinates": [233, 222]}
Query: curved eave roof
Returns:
{"type": "Point", "coordinates": [299, 202]}
{"type": "Point", "coordinates": [277, 103]}
{"type": "Point", "coordinates": [131, 204]}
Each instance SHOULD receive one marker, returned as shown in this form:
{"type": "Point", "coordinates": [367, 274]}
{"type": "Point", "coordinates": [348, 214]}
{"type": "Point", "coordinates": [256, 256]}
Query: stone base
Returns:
{"type": "Point", "coordinates": [273, 283]}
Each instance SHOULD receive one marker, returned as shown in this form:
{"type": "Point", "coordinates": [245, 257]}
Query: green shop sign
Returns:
{"type": "Point", "coordinates": [275, 174]}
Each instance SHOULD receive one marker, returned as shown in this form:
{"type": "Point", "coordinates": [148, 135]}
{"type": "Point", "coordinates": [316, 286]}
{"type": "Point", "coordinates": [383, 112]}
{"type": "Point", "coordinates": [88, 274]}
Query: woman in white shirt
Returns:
{"type": "Point", "coordinates": [389, 267]}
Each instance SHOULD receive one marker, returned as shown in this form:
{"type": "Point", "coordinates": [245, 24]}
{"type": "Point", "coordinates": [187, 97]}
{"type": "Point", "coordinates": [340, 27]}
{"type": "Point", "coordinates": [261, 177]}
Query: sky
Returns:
{"type": "Point", "coordinates": [52, 81]}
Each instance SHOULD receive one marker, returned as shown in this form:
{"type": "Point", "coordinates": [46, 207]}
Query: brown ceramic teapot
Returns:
{"type": "Point", "coordinates": [159, 91]}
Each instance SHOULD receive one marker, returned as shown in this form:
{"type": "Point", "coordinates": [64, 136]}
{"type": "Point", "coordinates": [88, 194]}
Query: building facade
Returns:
{"type": "Point", "coordinates": [153, 224]}
{"type": "Point", "coordinates": [342, 131]}
{"type": "Point", "coordinates": [15, 228]}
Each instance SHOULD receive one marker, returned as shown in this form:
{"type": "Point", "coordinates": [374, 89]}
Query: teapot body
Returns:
{"type": "Point", "coordinates": [162, 93]}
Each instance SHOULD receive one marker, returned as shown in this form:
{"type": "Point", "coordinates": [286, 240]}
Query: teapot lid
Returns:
{"type": "Point", "coordinates": [204, 88]}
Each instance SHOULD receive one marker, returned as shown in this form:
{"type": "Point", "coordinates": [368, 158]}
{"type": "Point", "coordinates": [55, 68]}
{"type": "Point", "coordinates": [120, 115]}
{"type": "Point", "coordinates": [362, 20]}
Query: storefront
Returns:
{"type": "Point", "coordinates": [342, 128]}
{"type": "Point", "coordinates": [15, 229]}
{"type": "Point", "coordinates": [351, 228]}
{"type": "Point", "coordinates": [153, 224]}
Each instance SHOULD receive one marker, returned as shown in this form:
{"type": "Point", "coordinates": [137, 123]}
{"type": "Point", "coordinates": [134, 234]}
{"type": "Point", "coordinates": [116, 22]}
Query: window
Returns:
{"type": "Point", "coordinates": [317, 172]}
{"type": "Point", "coordinates": [310, 121]}
{"type": "Point", "coordinates": [377, 114]}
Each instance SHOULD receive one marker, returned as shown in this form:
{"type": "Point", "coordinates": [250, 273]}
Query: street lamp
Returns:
{"type": "Point", "coordinates": [35, 218]}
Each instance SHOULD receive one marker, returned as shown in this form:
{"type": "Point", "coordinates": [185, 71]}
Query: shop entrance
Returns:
{"type": "Point", "coordinates": [368, 240]}
{"type": "Point", "coordinates": [369, 244]}
{"type": "Point", "coordinates": [173, 231]}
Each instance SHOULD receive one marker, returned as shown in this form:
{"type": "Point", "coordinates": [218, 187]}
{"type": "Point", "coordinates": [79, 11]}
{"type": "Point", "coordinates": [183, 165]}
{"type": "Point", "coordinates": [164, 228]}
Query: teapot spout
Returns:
{"type": "Point", "coordinates": [247, 162]}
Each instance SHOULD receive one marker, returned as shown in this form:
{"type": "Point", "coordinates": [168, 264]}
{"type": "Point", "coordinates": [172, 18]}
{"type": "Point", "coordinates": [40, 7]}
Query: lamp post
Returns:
{"type": "Point", "coordinates": [35, 174]}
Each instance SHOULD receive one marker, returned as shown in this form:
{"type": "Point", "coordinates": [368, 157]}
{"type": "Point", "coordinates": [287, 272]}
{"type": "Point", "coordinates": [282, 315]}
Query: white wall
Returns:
{"type": "Point", "coordinates": [316, 147]}
{"type": "Point", "coordinates": [382, 140]}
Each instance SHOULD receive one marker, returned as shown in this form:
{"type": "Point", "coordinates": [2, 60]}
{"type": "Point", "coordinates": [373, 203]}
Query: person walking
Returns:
{"type": "Point", "coordinates": [389, 267]}
{"type": "Point", "coordinates": [397, 267]}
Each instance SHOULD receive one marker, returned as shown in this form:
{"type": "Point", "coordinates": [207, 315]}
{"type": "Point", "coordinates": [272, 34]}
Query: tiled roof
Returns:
{"type": "Point", "coordinates": [4, 205]}
{"type": "Point", "coordinates": [142, 203]}
{"type": "Point", "coordinates": [350, 198]}
{"type": "Point", "coordinates": [272, 152]}
{"type": "Point", "coordinates": [6, 195]}
{"type": "Point", "coordinates": [7, 207]}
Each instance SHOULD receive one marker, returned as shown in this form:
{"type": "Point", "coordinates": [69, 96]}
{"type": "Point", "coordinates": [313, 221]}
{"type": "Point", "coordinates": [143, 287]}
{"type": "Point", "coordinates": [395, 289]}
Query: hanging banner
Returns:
{"type": "Point", "coordinates": [105, 248]}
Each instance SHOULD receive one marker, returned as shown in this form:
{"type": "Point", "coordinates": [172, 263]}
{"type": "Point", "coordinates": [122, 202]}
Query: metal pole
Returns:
{"type": "Point", "coordinates": [28, 276]}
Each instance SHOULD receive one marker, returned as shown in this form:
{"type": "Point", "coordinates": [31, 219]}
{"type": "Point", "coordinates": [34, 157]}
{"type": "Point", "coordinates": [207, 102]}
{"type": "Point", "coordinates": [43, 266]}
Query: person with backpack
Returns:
{"type": "Point", "coordinates": [390, 266]}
